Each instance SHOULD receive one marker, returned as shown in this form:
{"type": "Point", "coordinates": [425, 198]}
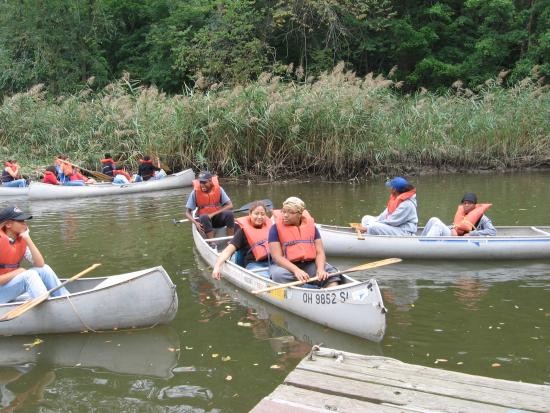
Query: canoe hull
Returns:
{"type": "Point", "coordinates": [137, 299]}
{"type": "Point", "coordinates": [355, 308]}
{"type": "Point", "coordinates": [38, 190]}
{"type": "Point", "coordinates": [7, 191]}
{"type": "Point", "coordinates": [513, 243]}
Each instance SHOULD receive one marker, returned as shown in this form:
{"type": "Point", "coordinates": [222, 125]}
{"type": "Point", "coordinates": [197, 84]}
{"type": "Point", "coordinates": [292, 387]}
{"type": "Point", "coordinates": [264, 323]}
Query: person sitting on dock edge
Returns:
{"type": "Point", "coordinates": [213, 206]}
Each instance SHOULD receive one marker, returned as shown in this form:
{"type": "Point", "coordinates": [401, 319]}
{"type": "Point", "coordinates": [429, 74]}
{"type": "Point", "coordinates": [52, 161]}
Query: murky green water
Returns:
{"type": "Point", "coordinates": [467, 317]}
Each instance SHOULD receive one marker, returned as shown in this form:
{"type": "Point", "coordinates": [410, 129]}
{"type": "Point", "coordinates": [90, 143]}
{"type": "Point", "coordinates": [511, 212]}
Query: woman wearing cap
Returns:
{"type": "Point", "coordinates": [16, 245]}
{"type": "Point", "coordinates": [469, 221]}
{"type": "Point", "coordinates": [297, 249]}
{"type": "Point", "coordinates": [400, 216]}
{"type": "Point", "coordinates": [250, 240]}
{"type": "Point", "coordinates": [11, 174]}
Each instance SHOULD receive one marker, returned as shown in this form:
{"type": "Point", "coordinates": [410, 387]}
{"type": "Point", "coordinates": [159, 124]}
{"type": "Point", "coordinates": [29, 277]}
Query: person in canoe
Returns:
{"type": "Point", "coordinates": [400, 216]}
{"type": "Point", "coordinates": [469, 221]}
{"type": "Point", "coordinates": [108, 165]}
{"type": "Point", "coordinates": [214, 207]}
{"type": "Point", "coordinates": [148, 170]}
{"type": "Point", "coordinates": [78, 176]}
{"type": "Point", "coordinates": [296, 247]}
{"type": "Point", "coordinates": [16, 245]}
{"type": "Point", "coordinates": [11, 175]}
{"type": "Point", "coordinates": [122, 176]}
{"type": "Point", "coordinates": [50, 176]}
{"type": "Point", "coordinates": [249, 241]}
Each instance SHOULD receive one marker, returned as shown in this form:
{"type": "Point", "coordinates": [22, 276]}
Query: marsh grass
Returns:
{"type": "Point", "coordinates": [338, 126]}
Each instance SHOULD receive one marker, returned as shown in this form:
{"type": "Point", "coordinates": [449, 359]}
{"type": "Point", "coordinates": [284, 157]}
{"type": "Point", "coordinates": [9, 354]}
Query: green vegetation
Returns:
{"type": "Point", "coordinates": [340, 126]}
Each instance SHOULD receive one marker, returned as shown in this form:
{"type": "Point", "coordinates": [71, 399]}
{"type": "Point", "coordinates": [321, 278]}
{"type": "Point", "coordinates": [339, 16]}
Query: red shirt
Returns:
{"type": "Point", "coordinates": [50, 178]}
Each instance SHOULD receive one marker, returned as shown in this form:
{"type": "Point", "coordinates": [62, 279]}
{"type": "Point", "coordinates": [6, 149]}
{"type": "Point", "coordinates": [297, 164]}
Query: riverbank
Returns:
{"type": "Point", "coordinates": [337, 127]}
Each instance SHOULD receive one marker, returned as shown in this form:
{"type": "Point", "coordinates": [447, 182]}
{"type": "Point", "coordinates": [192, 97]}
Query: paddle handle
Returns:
{"type": "Point", "coordinates": [74, 277]}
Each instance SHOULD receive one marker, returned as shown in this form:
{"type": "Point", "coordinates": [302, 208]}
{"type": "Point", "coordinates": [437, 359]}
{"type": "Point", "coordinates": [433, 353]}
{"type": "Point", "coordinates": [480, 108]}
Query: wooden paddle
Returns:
{"type": "Point", "coordinates": [362, 267]}
{"type": "Point", "coordinates": [99, 175]}
{"type": "Point", "coordinates": [357, 227]}
{"type": "Point", "coordinates": [267, 202]}
{"type": "Point", "coordinates": [33, 302]}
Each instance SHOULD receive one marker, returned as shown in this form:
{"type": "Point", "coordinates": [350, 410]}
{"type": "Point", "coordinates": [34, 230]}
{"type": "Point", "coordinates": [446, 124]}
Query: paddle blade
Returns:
{"type": "Point", "coordinates": [374, 264]}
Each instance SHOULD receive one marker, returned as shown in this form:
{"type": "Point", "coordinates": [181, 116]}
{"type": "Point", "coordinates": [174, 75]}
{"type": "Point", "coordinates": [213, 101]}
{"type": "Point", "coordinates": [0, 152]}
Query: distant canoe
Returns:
{"type": "Point", "coordinates": [355, 307]}
{"type": "Point", "coordinates": [137, 299]}
{"type": "Point", "coordinates": [511, 243]}
{"type": "Point", "coordinates": [181, 179]}
{"type": "Point", "coordinates": [15, 191]}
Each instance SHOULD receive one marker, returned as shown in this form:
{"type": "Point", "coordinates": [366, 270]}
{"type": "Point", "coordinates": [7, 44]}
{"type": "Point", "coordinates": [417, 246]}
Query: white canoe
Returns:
{"type": "Point", "coordinates": [9, 191]}
{"type": "Point", "coordinates": [143, 352]}
{"type": "Point", "coordinates": [137, 299]}
{"type": "Point", "coordinates": [354, 307]}
{"type": "Point", "coordinates": [38, 190]}
{"type": "Point", "coordinates": [511, 243]}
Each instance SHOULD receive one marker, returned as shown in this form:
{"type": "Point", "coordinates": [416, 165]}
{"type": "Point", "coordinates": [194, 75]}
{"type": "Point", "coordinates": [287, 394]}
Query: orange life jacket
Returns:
{"type": "Point", "coordinates": [208, 202]}
{"type": "Point", "coordinates": [464, 223]}
{"type": "Point", "coordinates": [122, 172]}
{"type": "Point", "coordinates": [394, 201]}
{"type": "Point", "coordinates": [143, 161]}
{"type": "Point", "coordinates": [11, 255]}
{"type": "Point", "coordinates": [77, 176]}
{"type": "Point", "coordinates": [256, 237]}
{"type": "Point", "coordinates": [66, 169]}
{"type": "Point", "coordinates": [297, 242]}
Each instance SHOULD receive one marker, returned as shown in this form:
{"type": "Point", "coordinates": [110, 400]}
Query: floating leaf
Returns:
{"type": "Point", "coordinates": [240, 323]}
{"type": "Point", "coordinates": [36, 342]}
{"type": "Point", "coordinates": [275, 367]}
{"type": "Point", "coordinates": [229, 378]}
{"type": "Point", "coordinates": [227, 358]}
{"type": "Point", "coordinates": [440, 361]}
{"type": "Point", "coordinates": [495, 365]}
{"type": "Point", "coordinates": [214, 355]}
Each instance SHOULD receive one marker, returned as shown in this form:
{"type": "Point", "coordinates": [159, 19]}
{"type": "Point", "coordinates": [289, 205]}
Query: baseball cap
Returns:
{"type": "Point", "coordinates": [398, 183]}
{"type": "Point", "coordinates": [469, 196]}
{"type": "Point", "coordinates": [13, 213]}
{"type": "Point", "coordinates": [205, 176]}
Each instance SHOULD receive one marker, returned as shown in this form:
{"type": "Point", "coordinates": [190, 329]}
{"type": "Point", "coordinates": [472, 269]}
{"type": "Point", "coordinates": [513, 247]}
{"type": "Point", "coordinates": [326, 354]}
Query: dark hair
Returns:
{"type": "Point", "coordinates": [406, 188]}
{"type": "Point", "coordinates": [107, 155]}
{"type": "Point", "coordinates": [51, 168]}
{"type": "Point", "coordinates": [257, 204]}
{"type": "Point", "coordinates": [146, 158]}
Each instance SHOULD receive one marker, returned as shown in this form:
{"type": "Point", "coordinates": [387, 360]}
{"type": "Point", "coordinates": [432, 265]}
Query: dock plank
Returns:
{"type": "Point", "coordinates": [333, 380]}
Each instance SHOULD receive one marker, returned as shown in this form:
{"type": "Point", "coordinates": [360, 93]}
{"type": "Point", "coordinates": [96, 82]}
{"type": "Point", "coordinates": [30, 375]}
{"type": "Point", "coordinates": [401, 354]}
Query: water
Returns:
{"type": "Point", "coordinates": [225, 350]}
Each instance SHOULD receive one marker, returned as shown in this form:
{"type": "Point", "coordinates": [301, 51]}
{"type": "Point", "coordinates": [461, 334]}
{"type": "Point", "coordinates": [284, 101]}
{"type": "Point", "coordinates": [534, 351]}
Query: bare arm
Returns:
{"type": "Point", "coordinates": [225, 207]}
{"type": "Point", "coordinates": [223, 257]}
{"type": "Point", "coordinates": [320, 259]}
{"type": "Point", "coordinates": [37, 258]}
{"type": "Point", "coordinates": [196, 222]}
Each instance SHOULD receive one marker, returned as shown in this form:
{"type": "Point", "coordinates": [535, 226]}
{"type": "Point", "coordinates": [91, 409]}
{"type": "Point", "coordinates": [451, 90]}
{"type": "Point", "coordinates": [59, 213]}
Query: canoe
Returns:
{"type": "Point", "coordinates": [38, 190]}
{"type": "Point", "coordinates": [512, 243]}
{"type": "Point", "coordinates": [147, 352]}
{"type": "Point", "coordinates": [136, 299]}
{"type": "Point", "coordinates": [9, 191]}
{"type": "Point", "coordinates": [355, 307]}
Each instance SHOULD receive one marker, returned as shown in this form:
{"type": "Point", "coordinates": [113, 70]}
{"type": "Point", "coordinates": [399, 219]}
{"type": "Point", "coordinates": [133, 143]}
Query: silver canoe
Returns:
{"type": "Point", "coordinates": [354, 307]}
{"type": "Point", "coordinates": [136, 299]}
{"type": "Point", "coordinates": [512, 243]}
{"type": "Point", "coordinates": [144, 352]}
{"type": "Point", "coordinates": [38, 190]}
{"type": "Point", "coordinates": [9, 191]}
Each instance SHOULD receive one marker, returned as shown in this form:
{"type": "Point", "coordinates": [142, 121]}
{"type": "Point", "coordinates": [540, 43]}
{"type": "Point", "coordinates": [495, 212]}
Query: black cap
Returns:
{"type": "Point", "coordinates": [13, 213]}
{"type": "Point", "coordinates": [205, 176]}
{"type": "Point", "coordinates": [469, 196]}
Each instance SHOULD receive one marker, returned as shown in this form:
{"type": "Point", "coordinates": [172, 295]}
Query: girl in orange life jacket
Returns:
{"type": "Point", "coordinates": [469, 221]}
{"type": "Point", "coordinates": [297, 249]}
{"type": "Point", "coordinates": [212, 204]}
{"type": "Point", "coordinates": [250, 239]}
{"type": "Point", "coordinates": [11, 175]}
{"type": "Point", "coordinates": [400, 216]}
{"type": "Point", "coordinates": [16, 244]}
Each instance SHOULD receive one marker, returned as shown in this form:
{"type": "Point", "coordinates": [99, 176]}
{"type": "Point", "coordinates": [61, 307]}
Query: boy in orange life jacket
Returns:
{"type": "Point", "coordinates": [16, 245]}
{"type": "Point", "coordinates": [213, 204]}
{"type": "Point", "coordinates": [469, 221]}
{"type": "Point", "coordinates": [11, 175]}
{"type": "Point", "coordinates": [297, 249]}
{"type": "Point", "coordinates": [251, 239]}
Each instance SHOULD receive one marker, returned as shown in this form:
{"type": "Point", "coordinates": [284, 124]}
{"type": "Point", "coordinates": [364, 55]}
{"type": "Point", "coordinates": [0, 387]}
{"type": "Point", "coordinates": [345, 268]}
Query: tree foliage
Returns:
{"type": "Point", "coordinates": [168, 43]}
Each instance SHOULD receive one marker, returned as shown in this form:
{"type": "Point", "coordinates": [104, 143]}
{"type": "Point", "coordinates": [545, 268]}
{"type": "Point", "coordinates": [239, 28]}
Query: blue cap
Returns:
{"type": "Point", "coordinates": [399, 183]}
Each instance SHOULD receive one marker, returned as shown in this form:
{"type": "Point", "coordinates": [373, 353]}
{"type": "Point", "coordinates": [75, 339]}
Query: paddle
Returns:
{"type": "Point", "coordinates": [99, 175]}
{"type": "Point", "coordinates": [356, 225]}
{"type": "Point", "coordinates": [267, 202]}
{"type": "Point", "coordinates": [362, 267]}
{"type": "Point", "coordinates": [33, 302]}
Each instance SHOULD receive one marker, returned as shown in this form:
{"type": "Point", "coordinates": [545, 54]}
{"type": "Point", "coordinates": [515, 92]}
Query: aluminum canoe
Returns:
{"type": "Point", "coordinates": [355, 307]}
{"type": "Point", "coordinates": [9, 191]}
{"type": "Point", "coordinates": [136, 299]}
{"type": "Point", "coordinates": [511, 243]}
{"type": "Point", "coordinates": [38, 190]}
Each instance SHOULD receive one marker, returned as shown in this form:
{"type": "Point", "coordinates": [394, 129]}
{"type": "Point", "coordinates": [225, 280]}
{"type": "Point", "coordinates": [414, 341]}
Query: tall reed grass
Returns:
{"type": "Point", "coordinates": [338, 126]}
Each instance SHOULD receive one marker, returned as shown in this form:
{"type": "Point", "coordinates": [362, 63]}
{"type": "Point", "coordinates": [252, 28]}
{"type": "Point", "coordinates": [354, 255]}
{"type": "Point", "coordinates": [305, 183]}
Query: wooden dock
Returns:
{"type": "Point", "coordinates": [336, 381]}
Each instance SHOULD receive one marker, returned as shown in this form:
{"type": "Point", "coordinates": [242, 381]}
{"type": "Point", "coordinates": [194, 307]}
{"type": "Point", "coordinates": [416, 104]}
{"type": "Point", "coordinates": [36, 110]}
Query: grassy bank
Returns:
{"type": "Point", "coordinates": [337, 126]}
